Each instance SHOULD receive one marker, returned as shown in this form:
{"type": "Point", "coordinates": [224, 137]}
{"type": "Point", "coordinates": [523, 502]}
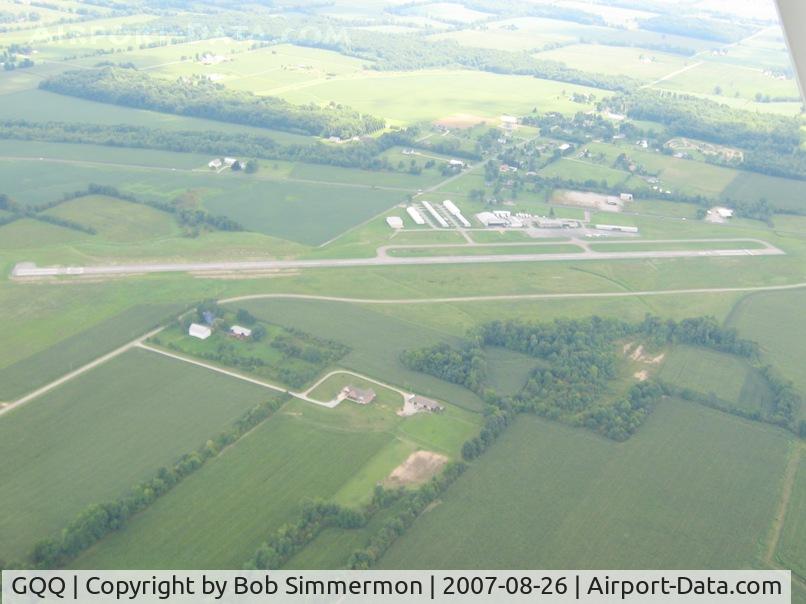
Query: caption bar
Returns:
{"type": "Point", "coordinates": [246, 587]}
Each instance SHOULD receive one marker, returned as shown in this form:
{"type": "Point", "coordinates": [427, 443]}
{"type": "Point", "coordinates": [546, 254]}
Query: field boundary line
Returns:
{"type": "Point", "coordinates": [77, 372]}
{"type": "Point", "coordinates": [790, 474]}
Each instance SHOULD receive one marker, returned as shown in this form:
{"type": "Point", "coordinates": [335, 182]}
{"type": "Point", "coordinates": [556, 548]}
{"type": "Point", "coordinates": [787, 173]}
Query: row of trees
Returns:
{"type": "Point", "coordinates": [364, 154]}
{"type": "Point", "coordinates": [466, 366]}
{"type": "Point", "coordinates": [98, 520]}
{"type": "Point", "coordinates": [199, 97]}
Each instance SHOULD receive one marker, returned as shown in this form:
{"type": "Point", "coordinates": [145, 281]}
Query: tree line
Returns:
{"type": "Point", "coordinates": [197, 96]}
{"type": "Point", "coordinates": [98, 520]}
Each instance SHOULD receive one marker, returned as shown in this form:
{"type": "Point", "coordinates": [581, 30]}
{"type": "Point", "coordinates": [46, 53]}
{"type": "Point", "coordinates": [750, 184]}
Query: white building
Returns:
{"type": "Point", "coordinates": [489, 219]}
{"type": "Point", "coordinates": [509, 122]}
{"type": "Point", "coordinates": [415, 215]}
{"type": "Point", "coordinates": [723, 212]}
{"type": "Point", "coordinates": [456, 163]}
{"type": "Point", "coordinates": [436, 215]}
{"type": "Point", "coordinates": [626, 197]}
{"type": "Point", "coordinates": [215, 164]}
{"type": "Point", "coordinates": [454, 211]}
{"type": "Point", "coordinates": [201, 332]}
{"type": "Point", "coordinates": [229, 161]}
{"type": "Point", "coordinates": [616, 227]}
{"type": "Point", "coordinates": [396, 222]}
{"type": "Point", "coordinates": [241, 332]}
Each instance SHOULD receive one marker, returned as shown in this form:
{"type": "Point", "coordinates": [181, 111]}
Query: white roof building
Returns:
{"type": "Point", "coordinates": [489, 219]}
{"type": "Point", "coordinates": [626, 196]}
{"type": "Point", "coordinates": [415, 215]}
{"type": "Point", "coordinates": [456, 163]}
{"type": "Point", "coordinates": [243, 332]}
{"type": "Point", "coordinates": [229, 161]}
{"type": "Point", "coordinates": [215, 164]}
{"type": "Point", "coordinates": [396, 222]}
{"type": "Point", "coordinates": [723, 212]}
{"type": "Point", "coordinates": [201, 332]}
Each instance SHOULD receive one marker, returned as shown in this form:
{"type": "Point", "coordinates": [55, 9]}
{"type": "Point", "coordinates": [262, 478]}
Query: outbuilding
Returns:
{"type": "Point", "coordinates": [241, 332]}
{"type": "Point", "coordinates": [202, 332]}
{"type": "Point", "coordinates": [395, 222]}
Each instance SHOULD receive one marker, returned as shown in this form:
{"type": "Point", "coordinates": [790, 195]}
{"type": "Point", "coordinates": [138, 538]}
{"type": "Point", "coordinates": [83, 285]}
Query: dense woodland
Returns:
{"type": "Point", "coordinates": [576, 363]}
{"type": "Point", "coordinates": [199, 97]}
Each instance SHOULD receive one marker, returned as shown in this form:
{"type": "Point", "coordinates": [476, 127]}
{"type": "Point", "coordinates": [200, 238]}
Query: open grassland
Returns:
{"type": "Point", "coordinates": [775, 320]}
{"type": "Point", "coordinates": [649, 246]}
{"type": "Point", "coordinates": [43, 106]}
{"type": "Point", "coordinates": [710, 77]}
{"type": "Point", "coordinates": [376, 341]}
{"type": "Point", "coordinates": [74, 351]}
{"type": "Point", "coordinates": [484, 250]}
{"type": "Point", "coordinates": [693, 488]}
{"type": "Point", "coordinates": [303, 211]}
{"type": "Point", "coordinates": [782, 193]}
{"type": "Point", "coordinates": [581, 171]}
{"type": "Point", "coordinates": [410, 97]}
{"type": "Point", "coordinates": [791, 552]}
{"type": "Point", "coordinates": [96, 436]}
{"type": "Point", "coordinates": [638, 63]}
{"type": "Point", "coordinates": [727, 377]}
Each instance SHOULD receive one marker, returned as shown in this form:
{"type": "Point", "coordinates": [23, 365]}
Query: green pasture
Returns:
{"type": "Point", "coordinates": [639, 245]}
{"type": "Point", "coordinates": [694, 487]}
{"type": "Point", "coordinates": [791, 552]}
{"type": "Point", "coordinates": [507, 370]}
{"type": "Point", "coordinates": [781, 193]}
{"type": "Point", "coordinates": [411, 97]}
{"type": "Point", "coordinates": [732, 81]}
{"type": "Point", "coordinates": [581, 171]}
{"type": "Point", "coordinates": [638, 63]}
{"type": "Point", "coordinates": [97, 435]}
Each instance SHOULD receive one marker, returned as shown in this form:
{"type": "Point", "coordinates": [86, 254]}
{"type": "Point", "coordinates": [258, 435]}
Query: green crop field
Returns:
{"type": "Point", "coordinates": [101, 433]}
{"type": "Point", "coordinates": [727, 377]}
{"type": "Point", "coordinates": [791, 550]}
{"type": "Point", "coordinates": [72, 352]}
{"type": "Point", "coordinates": [783, 193]}
{"type": "Point", "coordinates": [591, 503]}
{"type": "Point", "coordinates": [203, 524]}
{"type": "Point", "coordinates": [774, 320]}
{"type": "Point", "coordinates": [580, 171]}
{"type": "Point", "coordinates": [638, 63]}
{"type": "Point", "coordinates": [731, 81]}
{"type": "Point", "coordinates": [508, 370]}
{"type": "Point", "coordinates": [406, 98]}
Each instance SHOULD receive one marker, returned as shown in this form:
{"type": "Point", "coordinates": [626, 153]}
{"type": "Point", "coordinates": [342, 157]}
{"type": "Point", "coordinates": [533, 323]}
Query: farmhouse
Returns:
{"type": "Point", "coordinates": [215, 164]}
{"type": "Point", "coordinates": [230, 161]}
{"type": "Point", "coordinates": [240, 332]}
{"type": "Point", "coordinates": [359, 395]}
{"type": "Point", "coordinates": [395, 222]}
{"type": "Point", "coordinates": [421, 403]}
{"type": "Point", "coordinates": [201, 332]}
{"type": "Point", "coordinates": [456, 163]}
{"type": "Point", "coordinates": [723, 212]}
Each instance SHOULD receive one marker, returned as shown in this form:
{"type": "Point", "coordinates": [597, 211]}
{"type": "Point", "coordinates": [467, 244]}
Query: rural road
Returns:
{"type": "Point", "coordinates": [138, 342]}
{"type": "Point", "coordinates": [22, 270]}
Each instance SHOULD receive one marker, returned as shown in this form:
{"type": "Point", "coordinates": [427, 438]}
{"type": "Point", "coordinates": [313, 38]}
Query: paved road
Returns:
{"type": "Point", "coordinates": [30, 270]}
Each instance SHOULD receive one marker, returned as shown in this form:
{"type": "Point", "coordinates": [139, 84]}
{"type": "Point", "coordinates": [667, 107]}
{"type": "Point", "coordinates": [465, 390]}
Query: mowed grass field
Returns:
{"type": "Point", "coordinates": [96, 436]}
{"type": "Point", "coordinates": [376, 340]}
{"type": "Point", "coordinates": [728, 377]}
{"type": "Point", "coordinates": [410, 97]}
{"type": "Point", "coordinates": [694, 488]}
{"type": "Point", "coordinates": [219, 516]}
{"type": "Point", "coordinates": [64, 356]}
{"type": "Point", "coordinates": [638, 63]}
{"type": "Point", "coordinates": [782, 193]}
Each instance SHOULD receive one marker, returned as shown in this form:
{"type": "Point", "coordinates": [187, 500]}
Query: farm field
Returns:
{"type": "Point", "coordinates": [74, 351]}
{"type": "Point", "coordinates": [406, 98]}
{"type": "Point", "coordinates": [635, 509]}
{"type": "Point", "coordinates": [96, 436]}
{"type": "Point", "coordinates": [107, 390]}
{"type": "Point", "coordinates": [638, 63]}
{"type": "Point", "coordinates": [727, 377]}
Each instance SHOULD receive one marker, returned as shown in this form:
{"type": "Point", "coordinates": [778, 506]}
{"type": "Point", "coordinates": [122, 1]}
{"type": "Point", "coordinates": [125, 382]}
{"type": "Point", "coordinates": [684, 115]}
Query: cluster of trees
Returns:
{"type": "Point", "coordinates": [622, 418]}
{"type": "Point", "coordinates": [466, 366]}
{"type": "Point", "coordinates": [315, 516]}
{"type": "Point", "coordinates": [193, 219]}
{"type": "Point", "coordinates": [496, 421]}
{"type": "Point", "coordinates": [301, 345]}
{"type": "Point", "coordinates": [772, 142]}
{"type": "Point", "coordinates": [98, 520]}
{"type": "Point", "coordinates": [408, 509]}
{"type": "Point", "coordinates": [786, 401]}
{"type": "Point", "coordinates": [694, 27]}
{"type": "Point", "coordinates": [698, 331]}
{"type": "Point", "coordinates": [363, 154]}
{"type": "Point", "coordinates": [199, 97]}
